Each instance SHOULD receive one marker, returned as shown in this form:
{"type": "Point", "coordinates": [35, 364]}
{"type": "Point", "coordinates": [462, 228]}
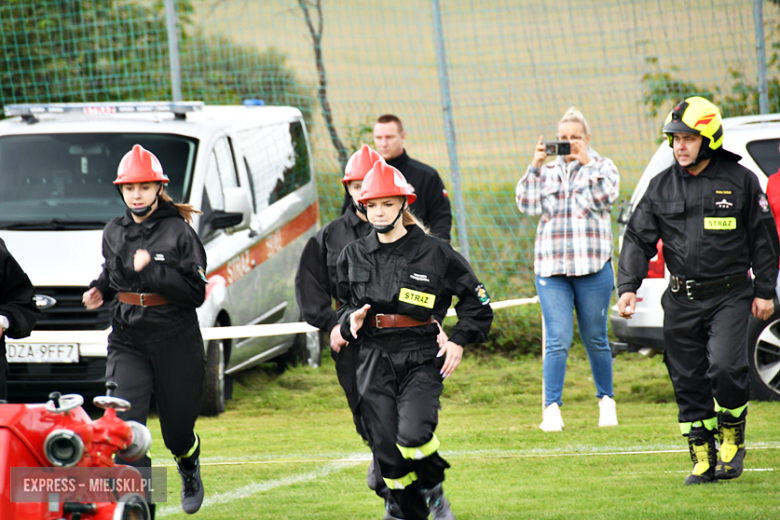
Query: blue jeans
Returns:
{"type": "Point", "coordinates": [590, 296]}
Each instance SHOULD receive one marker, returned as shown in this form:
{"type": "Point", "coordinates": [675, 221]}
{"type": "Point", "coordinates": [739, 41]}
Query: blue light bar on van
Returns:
{"type": "Point", "coordinates": [179, 109]}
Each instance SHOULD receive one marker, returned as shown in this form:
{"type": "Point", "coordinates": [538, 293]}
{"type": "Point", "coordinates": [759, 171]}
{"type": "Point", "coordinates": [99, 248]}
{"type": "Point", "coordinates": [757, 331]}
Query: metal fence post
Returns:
{"type": "Point", "coordinates": [763, 89]}
{"type": "Point", "coordinates": [173, 48]}
{"type": "Point", "coordinates": [449, 128]}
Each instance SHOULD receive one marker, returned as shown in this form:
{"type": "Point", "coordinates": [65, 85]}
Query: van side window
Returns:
{"type": "Point", "coordinates": [220, 173]}
{"type": "Point", "coordinates": [277, 160]}
{"type": "Point", "coordinates": [227, 168]}
{"type": "Point", "coordinates": [212, 195]}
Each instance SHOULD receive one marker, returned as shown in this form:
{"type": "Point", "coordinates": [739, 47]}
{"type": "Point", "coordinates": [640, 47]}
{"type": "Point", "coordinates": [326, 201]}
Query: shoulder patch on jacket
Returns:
{"type": "Point", "coordinates": [763, 203]}
{"type": "Point", "coordinates": [482, 294]}
{"type": "Point", "coordinates": [202, 273]}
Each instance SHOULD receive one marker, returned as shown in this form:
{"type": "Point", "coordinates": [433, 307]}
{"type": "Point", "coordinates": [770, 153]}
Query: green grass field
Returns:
{"type": "Point", "coordinates": [286, 448]}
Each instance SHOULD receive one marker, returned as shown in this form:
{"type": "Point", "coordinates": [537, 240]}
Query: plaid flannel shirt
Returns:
{"type": "Point", "coordinates": [574, 236]}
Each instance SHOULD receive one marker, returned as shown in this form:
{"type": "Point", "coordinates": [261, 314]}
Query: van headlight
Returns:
{"type": "Point", "coordinates": [63, 448]}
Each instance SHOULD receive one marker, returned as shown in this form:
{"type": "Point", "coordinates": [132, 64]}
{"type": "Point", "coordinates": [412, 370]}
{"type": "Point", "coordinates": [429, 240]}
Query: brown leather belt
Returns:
{"type": "Point", "coordinates": [142, 299]}
{"type": "Point", "coordinates": [393, 321]}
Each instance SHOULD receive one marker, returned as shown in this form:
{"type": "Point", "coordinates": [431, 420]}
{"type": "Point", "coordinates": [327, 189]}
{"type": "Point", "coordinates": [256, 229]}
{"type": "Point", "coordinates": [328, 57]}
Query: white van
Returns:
{"type": "Point", "coordinates": [247, 168]}
{"type": "Point", "coordinates": [756, 139]}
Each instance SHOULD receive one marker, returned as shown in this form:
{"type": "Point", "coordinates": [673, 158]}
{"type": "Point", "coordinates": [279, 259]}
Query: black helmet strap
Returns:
{"type": "Point", "coordinates": [141, 212]}
{"type": "Point", "coordinates": [705, 152]}
{"type": "Point", "coordinates": [389, 227]}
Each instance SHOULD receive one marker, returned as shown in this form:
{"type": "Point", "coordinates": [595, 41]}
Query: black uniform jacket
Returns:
{"type": "Point", "coordinates": [432, 205]}
{"type": "Point", "coordinates": [713, 224]}
{"type": "Point", "coordinates": [16, 298]}
{"type": "Point", "coordinates": [417, 276]}
{"type": "Point", "coordinates": [176, 271]}
{"type": "Point", "coordinates": [315, 281]}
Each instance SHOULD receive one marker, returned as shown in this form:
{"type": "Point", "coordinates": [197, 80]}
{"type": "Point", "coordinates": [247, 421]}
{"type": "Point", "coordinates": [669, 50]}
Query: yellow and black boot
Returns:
{"type": "Point", "coordinates": [701, 443]}
{"type": "Point", "coordinates": [731, 434]}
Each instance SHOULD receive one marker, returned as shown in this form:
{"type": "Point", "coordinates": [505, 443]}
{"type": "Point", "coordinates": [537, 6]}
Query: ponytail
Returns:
{"type": "Point", "coordinates": [185, 210]}
{"type": "Point", "coordinates": [409, 219]}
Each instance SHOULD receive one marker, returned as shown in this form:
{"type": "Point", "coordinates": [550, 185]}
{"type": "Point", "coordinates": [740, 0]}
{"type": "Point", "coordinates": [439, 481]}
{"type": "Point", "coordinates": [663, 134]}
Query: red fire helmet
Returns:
{"type": "Point", "coordinates": [360, 163]}
{"type": "Point", "coordinates": [385, 181]}
{"type": "Point", "coordinates": [139, 165]}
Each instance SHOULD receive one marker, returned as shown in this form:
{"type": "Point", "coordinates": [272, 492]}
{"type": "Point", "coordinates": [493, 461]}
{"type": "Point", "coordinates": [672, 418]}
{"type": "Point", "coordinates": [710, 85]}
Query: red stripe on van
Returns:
{"type": "Point", "coordinates": [238, 266]}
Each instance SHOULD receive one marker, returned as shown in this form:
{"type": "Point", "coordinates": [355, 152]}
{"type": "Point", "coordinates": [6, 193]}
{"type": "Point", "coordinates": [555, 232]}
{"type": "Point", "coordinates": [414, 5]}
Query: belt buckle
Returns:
{"type": "Point", "coordinates": [377, 325]}
{"type": "Point", "coordinates": [688, 288]}
{"type": "Point", "coordinates": [675, 285]}
{"type": "Point", "coordinates": [141, 299]}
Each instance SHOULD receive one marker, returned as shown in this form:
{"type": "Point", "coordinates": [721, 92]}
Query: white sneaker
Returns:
{"type": "Point", "coordinates": [607, 412]}
{"type": "Point", "coordinates": [551, 419]}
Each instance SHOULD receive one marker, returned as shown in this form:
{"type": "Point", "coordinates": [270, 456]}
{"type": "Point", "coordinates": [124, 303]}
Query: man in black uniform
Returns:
{"type": "Point", "coordinates": [432, 206]}
{"type": "Point", "coordinates": [315, 284]}
{"type": "Point", "coordinates": [715, 224]}
{"type": "Point", "coordinates": [18, 312]}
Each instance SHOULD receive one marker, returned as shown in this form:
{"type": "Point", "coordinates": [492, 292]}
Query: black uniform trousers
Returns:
{"type": "Point", "coordinates": [346, 364]}
{"type": "Point", "coordinates": [173, 368]}
{"type": "Point", "coordinates": [706, 350]}
{"type": "Point", "coordinates": [347, 360]}
{"type": "Point", "coordinates": [400, 393]}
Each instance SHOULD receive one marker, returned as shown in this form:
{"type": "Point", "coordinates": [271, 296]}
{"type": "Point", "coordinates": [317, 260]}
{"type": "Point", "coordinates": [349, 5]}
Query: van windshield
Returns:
{"type": "Point", "coordinates": [65, 181]}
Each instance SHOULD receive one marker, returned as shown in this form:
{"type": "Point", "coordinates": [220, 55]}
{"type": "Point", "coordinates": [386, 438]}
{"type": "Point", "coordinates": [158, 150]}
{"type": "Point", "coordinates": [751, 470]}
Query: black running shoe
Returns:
{"type": "Point", "coordinates": [438, 505]}
{"type": "Point", "coordinates": [191, 489]}
{"type": "Point", "coordinates": [392, 511]}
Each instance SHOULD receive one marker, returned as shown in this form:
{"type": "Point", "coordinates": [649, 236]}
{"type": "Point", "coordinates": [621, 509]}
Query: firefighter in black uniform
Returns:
{"type": "Point", "coordinates": [18, 312]}
{"type": "Point", "coordinates": [315, 285]}
{"type": "Point", "coordinates": [154, 277]}
{"type": "Point", "coordinates": [715, 224]}
{"type": "Point", "coordinates": [393, 285]}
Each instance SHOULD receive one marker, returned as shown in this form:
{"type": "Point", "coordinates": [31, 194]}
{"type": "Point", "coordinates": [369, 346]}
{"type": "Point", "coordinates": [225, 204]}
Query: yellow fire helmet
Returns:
{"type": "Point", "coordinates": [696, 115]}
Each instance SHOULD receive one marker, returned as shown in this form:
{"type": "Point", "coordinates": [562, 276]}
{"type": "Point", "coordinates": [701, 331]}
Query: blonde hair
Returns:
{"type": "Point", "coordinates": [409, 219]}
{"type": "Point", "coordinates": [575, 116]}
{"type": "Point", "coordinates": [185, 210]}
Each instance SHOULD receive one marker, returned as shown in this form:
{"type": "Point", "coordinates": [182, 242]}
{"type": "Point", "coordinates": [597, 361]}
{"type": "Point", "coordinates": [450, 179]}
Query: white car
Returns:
{"type": "Point", "coordinates": [756, 139]}
{"type": "Point", "coordinates": [247, 168]}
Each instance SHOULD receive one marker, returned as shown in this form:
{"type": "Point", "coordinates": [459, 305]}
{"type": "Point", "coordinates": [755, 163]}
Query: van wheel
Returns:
{"type": "Point", "coordinates": [212, 402]}
{"type": "Point", "coordinates": [764, 356]}
{"type": "Point", "coordinates": [306, 350]}
{"type": "Point", "coordinates": [311, 353]}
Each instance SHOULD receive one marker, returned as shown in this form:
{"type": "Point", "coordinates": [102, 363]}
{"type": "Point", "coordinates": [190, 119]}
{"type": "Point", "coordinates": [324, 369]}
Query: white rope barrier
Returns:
{"type": "Point", "coordinates": [504, 304]}
{"type": "Point", "coordinates": [211, 333]}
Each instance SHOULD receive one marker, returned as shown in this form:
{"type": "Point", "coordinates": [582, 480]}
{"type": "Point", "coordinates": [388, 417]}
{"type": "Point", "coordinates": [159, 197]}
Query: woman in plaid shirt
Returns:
{"type": "Point", "coordinates": [572, 261]}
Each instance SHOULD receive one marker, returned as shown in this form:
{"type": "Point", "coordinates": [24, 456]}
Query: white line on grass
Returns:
{"type": "Point", "coordinates": [213, 499]}
{"type": "Point", "coordinates": [686, 471]}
